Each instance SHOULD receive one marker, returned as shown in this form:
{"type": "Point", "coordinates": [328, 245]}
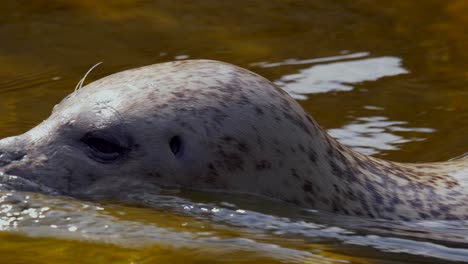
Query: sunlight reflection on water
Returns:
{"type": "Point", "coordinates": [337, 76]}
{"type": "Point", "coordinates": [373, 134]}
{"type": "Point", "coordinates": [368, 135]}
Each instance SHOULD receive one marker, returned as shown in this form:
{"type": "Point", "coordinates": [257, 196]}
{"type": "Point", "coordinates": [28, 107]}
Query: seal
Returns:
{"type": "Point", "coordinates": [209, 125]}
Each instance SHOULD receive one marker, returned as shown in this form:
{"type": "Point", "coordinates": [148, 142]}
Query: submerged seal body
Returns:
{"type": "Point", "coordinates": [210, 125]}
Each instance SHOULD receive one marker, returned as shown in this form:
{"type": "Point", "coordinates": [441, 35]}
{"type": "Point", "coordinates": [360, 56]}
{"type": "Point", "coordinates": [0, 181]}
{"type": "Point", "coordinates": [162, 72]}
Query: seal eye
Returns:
{"type": "Point", "coordinates": [176, 145]}
{"type": "Point", "coordinates": [103, 149]}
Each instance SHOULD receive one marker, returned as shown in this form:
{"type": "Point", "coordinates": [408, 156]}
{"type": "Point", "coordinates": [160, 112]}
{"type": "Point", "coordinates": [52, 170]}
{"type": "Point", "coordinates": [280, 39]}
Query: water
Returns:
{"type": "Point", "coordinates": [203, 227]}
{"type": "Point", "coordinates": [386, 78]}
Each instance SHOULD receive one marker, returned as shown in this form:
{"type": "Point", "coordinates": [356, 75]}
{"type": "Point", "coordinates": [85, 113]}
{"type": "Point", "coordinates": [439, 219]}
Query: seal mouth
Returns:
{"type": "Point", "coordinates": [3, 162]}
{"type": "Point", "coordinates": [10, 157]}
{"type": "Point", "coordinates": [9, 182]}
{"type": "Point", "coordinates": [16, 168]}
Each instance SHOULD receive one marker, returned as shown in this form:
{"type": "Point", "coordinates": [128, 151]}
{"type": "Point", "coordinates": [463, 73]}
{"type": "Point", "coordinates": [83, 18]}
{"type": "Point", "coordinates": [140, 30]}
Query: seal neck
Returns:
{"type": "Point", "coordinates": [351, 183]}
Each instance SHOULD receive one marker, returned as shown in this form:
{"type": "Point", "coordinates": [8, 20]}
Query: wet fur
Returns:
{"type": "Point", "coordinates": [244, 134]}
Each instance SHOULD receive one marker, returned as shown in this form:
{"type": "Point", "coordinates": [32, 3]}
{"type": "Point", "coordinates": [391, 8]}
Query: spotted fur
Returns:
{"type": "Point", "coordinates": [244, 134]}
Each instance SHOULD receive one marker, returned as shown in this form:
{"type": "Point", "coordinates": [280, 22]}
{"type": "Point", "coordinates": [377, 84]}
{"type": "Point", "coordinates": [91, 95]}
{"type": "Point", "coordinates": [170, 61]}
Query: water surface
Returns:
{"type": "Point", "coordinates": [386, 78]}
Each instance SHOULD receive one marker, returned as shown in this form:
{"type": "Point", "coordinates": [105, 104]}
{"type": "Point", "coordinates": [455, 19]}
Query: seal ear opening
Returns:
{"type": "Point", "coordinates": [176, 145]}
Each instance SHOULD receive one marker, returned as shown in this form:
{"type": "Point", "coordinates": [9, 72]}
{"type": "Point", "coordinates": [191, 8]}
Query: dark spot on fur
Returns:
{"type": "Point", "coordinates": [404, 218]}
{"type": "Point", "coordinates": [154, 175]}
{"type": "Point", "coordinates": [307, 187]}
{"type": "Point", "coordinates": [243, 147]}
{"type": "Point", "coordinates": [263, 165]}
{"type": "Point", "coordinates": [312, 155]}
{"type": "Point", "coordinates": [293, 201]}
{"type": "Point", "coordinates": [294, 173]}
{"type": "Point", "coordinates": [337, 190]}
{"type": "Point", "coordinates": [258, 110]}
{"type": "Point", "coordinates": [295, 120]}
{"type": "Point", "coordinates": [179, 94]}
{"type": "Point", "coordinates": [231, 161]}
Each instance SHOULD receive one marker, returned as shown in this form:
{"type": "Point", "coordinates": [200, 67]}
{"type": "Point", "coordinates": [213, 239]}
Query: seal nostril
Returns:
{"type": "Point", "coordinates": [7, 158]}
{"type": "Point", "coordinates": [12, 149]}
{"type": "Point", "coordinates": [17, 156]}
{"type": "Point", "coordinates": [176, 145]}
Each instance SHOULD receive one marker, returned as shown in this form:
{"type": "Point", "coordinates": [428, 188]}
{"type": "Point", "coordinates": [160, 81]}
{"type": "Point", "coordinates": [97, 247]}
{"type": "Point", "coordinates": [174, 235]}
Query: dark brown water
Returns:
{"type": "Point", "coordinates": [389, 78]}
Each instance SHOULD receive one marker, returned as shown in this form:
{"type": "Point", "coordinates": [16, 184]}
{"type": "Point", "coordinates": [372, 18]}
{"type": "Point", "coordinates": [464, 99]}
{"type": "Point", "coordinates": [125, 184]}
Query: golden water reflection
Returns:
{"type": "Point", "coordinates": [387, 78]}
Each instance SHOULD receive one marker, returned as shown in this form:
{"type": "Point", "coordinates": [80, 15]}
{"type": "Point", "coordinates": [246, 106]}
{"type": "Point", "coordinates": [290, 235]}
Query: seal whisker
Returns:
{"type": "Point", "coordinates": [80, 83]}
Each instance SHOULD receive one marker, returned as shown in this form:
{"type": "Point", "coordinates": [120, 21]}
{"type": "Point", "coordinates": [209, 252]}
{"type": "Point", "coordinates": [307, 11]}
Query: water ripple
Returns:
{"type": "Point", "coordinates": [335, 76]}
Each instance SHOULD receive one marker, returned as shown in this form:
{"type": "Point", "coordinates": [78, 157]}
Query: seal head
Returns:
{"type": "Point", "coordinates": [210, 125]}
